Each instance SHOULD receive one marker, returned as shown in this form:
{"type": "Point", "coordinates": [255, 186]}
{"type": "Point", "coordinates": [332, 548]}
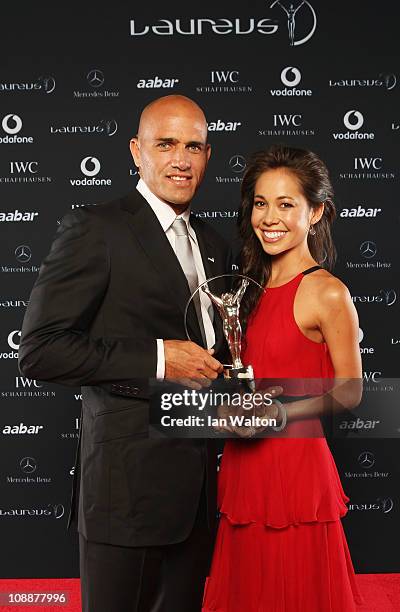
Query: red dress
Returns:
{"type": "Point", "coordinates": [280, 545]}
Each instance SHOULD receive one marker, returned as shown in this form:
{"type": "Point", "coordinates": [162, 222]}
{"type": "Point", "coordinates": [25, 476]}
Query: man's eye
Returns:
{"type": "Point", "coordinates": [164, 145]}
{"type": "Point", "coordinates": [195, 148]}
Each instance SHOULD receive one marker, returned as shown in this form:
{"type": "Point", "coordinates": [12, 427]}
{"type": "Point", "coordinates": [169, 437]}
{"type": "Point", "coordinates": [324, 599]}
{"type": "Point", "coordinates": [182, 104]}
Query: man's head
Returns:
{"type": "Point", "coordinates": [171, 149]}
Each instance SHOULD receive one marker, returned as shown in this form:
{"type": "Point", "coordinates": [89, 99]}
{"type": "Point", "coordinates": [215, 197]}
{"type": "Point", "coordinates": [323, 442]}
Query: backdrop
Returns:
{"type": "Point", "coordinates": [321, 75]}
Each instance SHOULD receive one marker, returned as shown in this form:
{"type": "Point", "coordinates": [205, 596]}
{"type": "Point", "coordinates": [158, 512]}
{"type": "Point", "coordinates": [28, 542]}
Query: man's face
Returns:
{"type": "Point", "coordinates": [171, 152]}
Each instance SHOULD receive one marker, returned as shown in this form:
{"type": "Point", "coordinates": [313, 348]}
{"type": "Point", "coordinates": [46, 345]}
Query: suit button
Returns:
{"type": "Point", "coordinates": [135, 390]}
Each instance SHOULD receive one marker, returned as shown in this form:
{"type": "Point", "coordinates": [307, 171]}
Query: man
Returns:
{"type": "Point", "coordinates": [106, 313]}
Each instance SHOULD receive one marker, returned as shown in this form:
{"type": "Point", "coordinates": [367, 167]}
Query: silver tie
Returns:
{"type": "Point", "coordinates": [184, 254]}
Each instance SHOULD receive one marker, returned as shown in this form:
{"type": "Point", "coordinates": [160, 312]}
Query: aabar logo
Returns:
{"type": "Point", "coordinates": [223, 126]}
{"type": "Point", "coordinates": [22, 429]}
{"type": "Point", "coordinates": [360, 211]}
{"type": "Point", "coordinates": [157, 83]}
{"type": "Point", "coordinates": [16, 216]}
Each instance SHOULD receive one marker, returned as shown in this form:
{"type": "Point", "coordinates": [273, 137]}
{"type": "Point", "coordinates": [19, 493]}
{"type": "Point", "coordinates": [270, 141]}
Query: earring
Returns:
{"type": "Point", "coordinates": [312, 231]}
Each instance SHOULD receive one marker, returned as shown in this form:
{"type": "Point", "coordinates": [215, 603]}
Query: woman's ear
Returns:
{"type": "Point", "coordinates": [317, 213]}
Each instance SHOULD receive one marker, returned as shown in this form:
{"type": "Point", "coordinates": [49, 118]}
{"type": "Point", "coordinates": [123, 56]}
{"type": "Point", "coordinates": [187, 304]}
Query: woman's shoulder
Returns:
{"type": "Point", "coordinates": [326, 289]}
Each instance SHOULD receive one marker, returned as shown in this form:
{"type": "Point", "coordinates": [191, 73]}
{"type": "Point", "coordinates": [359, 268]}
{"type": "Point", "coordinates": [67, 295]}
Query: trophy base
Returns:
{"type": "Point", "coordinates": [243, 376]}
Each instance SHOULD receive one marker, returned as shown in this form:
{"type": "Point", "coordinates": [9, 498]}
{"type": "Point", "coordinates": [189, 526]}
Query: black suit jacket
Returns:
{"type": "Point", "coordinates": [110, 286]}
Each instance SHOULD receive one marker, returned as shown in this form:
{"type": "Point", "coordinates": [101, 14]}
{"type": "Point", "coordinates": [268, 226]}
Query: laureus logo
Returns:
{"type": "Point", "coordinates": [299, 20]}
{"type": "Point", "coordinates": [290, 12]}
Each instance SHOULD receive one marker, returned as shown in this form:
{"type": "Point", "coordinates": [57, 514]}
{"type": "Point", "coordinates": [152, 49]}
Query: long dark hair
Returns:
{"type": "Point", "coordinates": [313, 177]}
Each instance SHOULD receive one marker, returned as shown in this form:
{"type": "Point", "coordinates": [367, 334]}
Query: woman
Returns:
{"type": "Point", "coordinates": [280, 544]}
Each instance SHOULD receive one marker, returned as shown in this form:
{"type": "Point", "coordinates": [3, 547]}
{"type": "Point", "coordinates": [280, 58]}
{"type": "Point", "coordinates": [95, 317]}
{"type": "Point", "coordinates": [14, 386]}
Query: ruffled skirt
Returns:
{"type": "Point", "coordinates": [280, 545]}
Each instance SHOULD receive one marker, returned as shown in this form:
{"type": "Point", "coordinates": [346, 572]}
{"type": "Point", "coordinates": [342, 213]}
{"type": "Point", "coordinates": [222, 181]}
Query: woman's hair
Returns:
{"type": "Point", "coordinates": [313, 177]}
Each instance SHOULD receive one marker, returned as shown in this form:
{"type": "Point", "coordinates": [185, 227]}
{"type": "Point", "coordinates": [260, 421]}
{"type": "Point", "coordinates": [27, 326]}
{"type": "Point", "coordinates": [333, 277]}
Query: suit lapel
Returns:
{"type": "Point", "coordinates": [212, 267]}
{"type": "Point", "coordinates": [149, 233]}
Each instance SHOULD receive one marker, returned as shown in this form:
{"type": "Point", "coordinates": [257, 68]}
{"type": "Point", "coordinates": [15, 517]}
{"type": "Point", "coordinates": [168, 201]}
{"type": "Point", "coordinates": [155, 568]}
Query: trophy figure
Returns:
{"type": "Point", "coordinates": [228, 307]}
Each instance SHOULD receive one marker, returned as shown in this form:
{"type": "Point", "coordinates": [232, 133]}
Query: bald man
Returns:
{"type": "Point", "coordinates": [106, 313]}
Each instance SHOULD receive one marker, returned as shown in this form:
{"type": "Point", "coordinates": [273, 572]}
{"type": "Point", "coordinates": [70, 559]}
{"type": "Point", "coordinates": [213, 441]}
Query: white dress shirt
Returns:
{"type": "Point", "coordinates": [166, 216]}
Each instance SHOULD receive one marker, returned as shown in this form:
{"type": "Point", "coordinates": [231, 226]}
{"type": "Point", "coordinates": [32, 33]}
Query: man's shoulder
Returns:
{"type": "Point", "coordinates": [208, 230]}
{"type": "Point", "coordinates": [106, 211]}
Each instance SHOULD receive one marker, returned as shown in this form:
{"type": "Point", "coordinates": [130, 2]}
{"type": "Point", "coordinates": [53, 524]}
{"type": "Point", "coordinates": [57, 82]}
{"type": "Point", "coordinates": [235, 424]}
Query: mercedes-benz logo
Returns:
{"type": "Point", "coordinates": [366, 460]}
{"type": "Point", "coordinates": [23, 253]}
{"type": "Point", "coordinates": [95, 78]}
{"type": "Point", "coordinates": [368, 249]}
{"type": "Point", "coordinates": [28, 465]}
{"type": "Point", "coordinates": [237, 163]}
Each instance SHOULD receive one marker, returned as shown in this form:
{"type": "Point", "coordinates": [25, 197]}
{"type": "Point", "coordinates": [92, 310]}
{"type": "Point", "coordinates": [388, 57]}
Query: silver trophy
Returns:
{"type": "Point", "coordinates": [228, 307]}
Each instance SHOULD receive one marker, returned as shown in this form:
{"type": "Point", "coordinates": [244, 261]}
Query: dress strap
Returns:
{"type": "Point", "coordinates": [309, 270]}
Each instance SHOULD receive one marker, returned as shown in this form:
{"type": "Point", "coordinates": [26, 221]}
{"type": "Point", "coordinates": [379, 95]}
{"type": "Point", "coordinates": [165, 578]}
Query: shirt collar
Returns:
{"type": "Point", "coordinates": [163, 211]}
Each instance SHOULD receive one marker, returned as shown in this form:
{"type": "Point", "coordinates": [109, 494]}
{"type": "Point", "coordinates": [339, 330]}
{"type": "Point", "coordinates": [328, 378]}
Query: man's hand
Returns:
{"type": "Point", "coordinates": [189, 364]}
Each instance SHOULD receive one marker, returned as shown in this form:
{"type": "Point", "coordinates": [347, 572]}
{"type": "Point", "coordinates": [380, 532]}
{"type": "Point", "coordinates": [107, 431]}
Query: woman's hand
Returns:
{"type": "Point", "coordinates": [234, 418]}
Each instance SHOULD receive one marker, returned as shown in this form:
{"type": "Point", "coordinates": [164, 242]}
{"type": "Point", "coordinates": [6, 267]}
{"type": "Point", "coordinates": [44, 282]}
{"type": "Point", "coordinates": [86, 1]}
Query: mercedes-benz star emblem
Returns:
{"type": "Point", "coordinates": [237, 163]}
{"type": "Point", "coordinates": [368, 249]}
{"type": "Point", "coordinates": [28, 465]}
{"type": "Point", "coordinates": [366, 460]}
{"type": "Point", "coordinates": [95, 78]}
{"type": "Point", "coordinates": [23, 253]}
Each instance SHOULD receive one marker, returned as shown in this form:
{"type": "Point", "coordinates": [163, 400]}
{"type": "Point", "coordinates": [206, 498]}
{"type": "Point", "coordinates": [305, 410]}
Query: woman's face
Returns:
{"type": "Point", "coordinates": [281, 216]}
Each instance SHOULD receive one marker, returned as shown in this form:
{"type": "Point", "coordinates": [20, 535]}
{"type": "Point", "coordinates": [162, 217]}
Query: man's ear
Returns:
{"type": "Point", "coordinates": [208, 151]}
{"type": "Point", "coordinates": [135, 151]}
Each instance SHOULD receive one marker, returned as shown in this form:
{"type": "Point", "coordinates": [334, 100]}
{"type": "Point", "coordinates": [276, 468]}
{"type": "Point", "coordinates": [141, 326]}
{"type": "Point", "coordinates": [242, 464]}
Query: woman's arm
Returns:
{"type": "Point", "coordinates": [337, 319]}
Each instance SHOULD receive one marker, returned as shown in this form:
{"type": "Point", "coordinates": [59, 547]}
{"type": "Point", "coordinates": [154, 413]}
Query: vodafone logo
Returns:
{"type": "Point", "coordinates": [90, 161]}
{"type": "Point", "coordinates": [11, 124]}
{"type": "Point", "coordinates": [353, 120]}
{"type": "Point", "coordinates": [290, 76]}
{"type": "Point", "coordinates": [90, 166]}
{"type": "Point", "coordinates": [11, 339]}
